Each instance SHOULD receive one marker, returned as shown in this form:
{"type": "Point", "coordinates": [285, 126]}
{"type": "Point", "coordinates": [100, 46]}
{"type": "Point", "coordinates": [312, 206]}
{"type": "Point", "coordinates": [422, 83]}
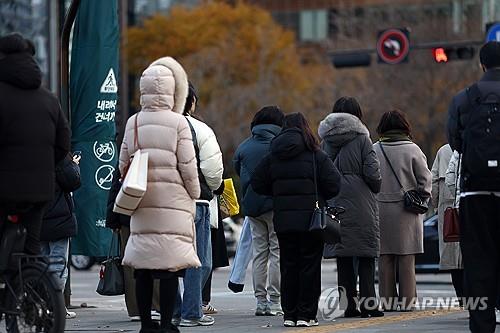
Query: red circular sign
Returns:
{"type": "Point", "coordinates": [393, 46]}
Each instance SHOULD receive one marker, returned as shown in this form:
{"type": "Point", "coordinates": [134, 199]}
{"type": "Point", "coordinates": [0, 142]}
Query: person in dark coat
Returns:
{"type": "Point", "coordinates": [299, 176]}
{"type": "Point", "coordinates": [34, 137]}
{"type": "Point", "coordinates": [59, 222]}
{"type": "Point", "coordinates": [347, 141]}
{"type": "Point", "coordinates": [480, 193]}
{"type": "Point", "coordinates": [266, 124]}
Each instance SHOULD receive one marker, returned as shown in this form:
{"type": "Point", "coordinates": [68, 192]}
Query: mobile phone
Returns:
{"type": "Point", "coordinates": [77, 153]}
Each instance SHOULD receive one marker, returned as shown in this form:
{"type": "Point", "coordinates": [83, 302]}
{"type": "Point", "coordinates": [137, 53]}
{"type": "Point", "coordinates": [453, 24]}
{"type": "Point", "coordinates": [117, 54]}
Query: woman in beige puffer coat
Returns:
{"type": "Point", "coordinates": [162, 240]}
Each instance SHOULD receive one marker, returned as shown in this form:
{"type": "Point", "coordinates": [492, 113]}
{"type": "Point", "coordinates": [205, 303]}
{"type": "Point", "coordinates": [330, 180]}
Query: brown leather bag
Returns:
{"type": "Point", "coordinates": [451, 225]}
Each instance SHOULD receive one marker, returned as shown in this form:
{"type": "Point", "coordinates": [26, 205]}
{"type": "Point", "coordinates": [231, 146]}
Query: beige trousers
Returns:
{"type": "Point", "coordinates": [390, 298]}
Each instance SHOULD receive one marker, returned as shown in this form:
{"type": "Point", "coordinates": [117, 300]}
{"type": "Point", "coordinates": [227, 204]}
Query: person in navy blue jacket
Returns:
{"type": "Point", "coordinates": [257, 208]}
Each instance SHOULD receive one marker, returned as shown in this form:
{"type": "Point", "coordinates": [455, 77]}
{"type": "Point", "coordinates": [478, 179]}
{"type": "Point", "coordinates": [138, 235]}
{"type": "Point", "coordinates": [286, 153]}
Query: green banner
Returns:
{"type": "Point", "coordinates": [93, 95]}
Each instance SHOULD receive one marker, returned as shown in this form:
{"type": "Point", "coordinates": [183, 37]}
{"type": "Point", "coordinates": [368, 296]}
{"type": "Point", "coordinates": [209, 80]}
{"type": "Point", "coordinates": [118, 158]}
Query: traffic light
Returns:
{"type": "Point", "coordinates": [445, 54]}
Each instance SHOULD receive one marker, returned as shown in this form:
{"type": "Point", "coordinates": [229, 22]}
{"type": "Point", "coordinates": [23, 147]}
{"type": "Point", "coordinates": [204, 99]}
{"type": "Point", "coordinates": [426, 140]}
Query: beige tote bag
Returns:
{"type": "Point", "coordinates": [135, 182]}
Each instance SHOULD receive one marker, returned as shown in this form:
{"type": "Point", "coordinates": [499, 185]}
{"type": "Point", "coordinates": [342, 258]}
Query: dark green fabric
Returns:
{"type": "Point", "coordinates": [394, 136]}
{"type": "Point", "coordinates": [93, 94]}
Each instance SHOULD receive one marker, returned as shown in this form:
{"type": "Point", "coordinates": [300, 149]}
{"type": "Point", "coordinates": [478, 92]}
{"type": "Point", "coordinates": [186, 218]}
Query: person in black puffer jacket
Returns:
{"type": "Point", "coordinates": [59, 222]}
{"type": "Point", "coordinates": [287, 174]}
{"type": "Point", "coordinates": [34, 137]}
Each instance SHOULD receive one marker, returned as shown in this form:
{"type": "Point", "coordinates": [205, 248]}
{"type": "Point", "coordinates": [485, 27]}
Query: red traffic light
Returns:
{"type": "Point", "coordinates": [440, 55]}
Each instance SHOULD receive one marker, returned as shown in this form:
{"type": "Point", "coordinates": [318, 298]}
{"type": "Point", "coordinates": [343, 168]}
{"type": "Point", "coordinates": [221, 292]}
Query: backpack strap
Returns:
{"type": "Point", "coordinates": [390, 166]}
{"type": "Point", "coordinates": [195, 143]}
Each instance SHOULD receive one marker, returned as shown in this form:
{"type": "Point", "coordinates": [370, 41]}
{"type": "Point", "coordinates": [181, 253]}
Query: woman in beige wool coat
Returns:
{"type": "Point", "coordinates": [401, 232]}
{"type": "Point", "coordinates": [162, 240]}
{"type": "Point", "coordinates": [444, 196]}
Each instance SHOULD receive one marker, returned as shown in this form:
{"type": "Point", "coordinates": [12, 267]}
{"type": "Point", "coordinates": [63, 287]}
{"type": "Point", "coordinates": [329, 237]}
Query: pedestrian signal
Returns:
{"type": "Point", "coordinates": [443, 55]}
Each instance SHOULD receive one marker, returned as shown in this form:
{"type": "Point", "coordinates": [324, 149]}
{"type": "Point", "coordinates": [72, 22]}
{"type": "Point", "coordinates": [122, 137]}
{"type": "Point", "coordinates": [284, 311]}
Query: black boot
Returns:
{"type": "Point", "coordinates": [352, 313]}
{"type": "Point", "coordinates": [371, 313]}
{"type": "Point", "coordinates": [235, 287]}
{"type": "Point", "coordinates": [155, 328]}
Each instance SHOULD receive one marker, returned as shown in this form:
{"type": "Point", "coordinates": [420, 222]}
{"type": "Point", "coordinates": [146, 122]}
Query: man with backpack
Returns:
{"type": "Point", "coordinates": [474, 131]}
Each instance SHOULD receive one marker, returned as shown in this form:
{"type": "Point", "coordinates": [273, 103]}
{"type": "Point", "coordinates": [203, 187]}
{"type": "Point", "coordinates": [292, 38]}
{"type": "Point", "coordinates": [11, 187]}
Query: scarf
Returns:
{"type": "Point", "coordinates": [394, 136]}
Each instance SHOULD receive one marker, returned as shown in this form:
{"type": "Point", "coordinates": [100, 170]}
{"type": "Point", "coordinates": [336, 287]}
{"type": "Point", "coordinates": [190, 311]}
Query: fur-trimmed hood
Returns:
{"type": "Point", "coordinates": [164, 85]}
{"type": "Point", "coordinates": [340, 128]}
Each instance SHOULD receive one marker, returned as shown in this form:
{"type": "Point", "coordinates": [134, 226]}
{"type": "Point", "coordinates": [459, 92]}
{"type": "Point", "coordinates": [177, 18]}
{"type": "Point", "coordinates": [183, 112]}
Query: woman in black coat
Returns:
{"type": "Point", "coordinates": [287, 174]}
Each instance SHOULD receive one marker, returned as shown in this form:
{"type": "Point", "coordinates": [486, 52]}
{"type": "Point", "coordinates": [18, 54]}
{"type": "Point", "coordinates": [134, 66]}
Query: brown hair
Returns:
{"type": "Point", "coordinates": [394, 120]}
{"type": "Point", "coordinates": [297, 120]}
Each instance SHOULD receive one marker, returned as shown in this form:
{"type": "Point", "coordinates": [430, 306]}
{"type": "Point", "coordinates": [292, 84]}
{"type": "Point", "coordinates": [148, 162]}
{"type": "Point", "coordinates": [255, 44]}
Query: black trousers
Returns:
{"type": "Point", "coordinates": [347, 278]}
{"type": "Point", "coordinates": [169, 283]}
{"type": "Point", "coordinates": [300, 266]}
{"type": "Point", "coordinates": [457, 279]}
{"type": "Point", "coordinates": [206, 293]}
{"type": "Point", "coordinates": [480, 243]}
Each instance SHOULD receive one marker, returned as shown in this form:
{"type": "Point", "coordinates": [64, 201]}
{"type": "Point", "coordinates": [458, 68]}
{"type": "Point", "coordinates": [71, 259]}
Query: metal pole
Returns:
{"type": "Point", "coordinates": [123, 92]}
{"type": "Point", "coordinates": [68, 24]}
{"type": "Point", "coordinates": [64, 97]}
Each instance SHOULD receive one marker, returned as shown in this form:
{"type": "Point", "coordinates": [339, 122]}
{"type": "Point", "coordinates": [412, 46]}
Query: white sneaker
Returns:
{"type": "Point", "coordinates": [70, 314]}
{"type": "Point", "coordinates": [310, 323]}
{"type": "Point", "coordinates": [289, 323]}
{"type": "Point", "coordinates": [203, 321]}
{"type": "Point", "coordinates": [274, 309]}
{"type": "Point", "coordinates": [262, 309]}
{"type": "Point", "coordinates": [208, 309]}
{"type": "Point", "coordinates": [498, 316]}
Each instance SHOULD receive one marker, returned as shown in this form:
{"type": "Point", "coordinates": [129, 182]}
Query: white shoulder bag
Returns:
{"type": "Point", "coordinates": [135, 180]}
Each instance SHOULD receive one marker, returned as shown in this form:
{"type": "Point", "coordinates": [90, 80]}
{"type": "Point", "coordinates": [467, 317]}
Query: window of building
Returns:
{"type": "Point", "coordinates": [313, 25]}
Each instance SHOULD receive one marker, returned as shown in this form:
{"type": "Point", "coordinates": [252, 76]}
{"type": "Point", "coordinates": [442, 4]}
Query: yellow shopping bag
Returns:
{"type": "Point", "coordinates": [229, 200]}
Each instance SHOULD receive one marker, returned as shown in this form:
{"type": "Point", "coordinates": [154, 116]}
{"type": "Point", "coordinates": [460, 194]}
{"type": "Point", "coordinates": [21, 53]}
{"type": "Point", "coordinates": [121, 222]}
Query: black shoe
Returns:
{"type": "Point", "coordinates": [371, 313]}
{"type": "Point", "coordinates": [155, 328]}
{"type": "Point", "coordinates": [171, 329]}
{"type": "Point", "coordinates": [235, 287]}
{"type": "Point", "coordinates": [352, 313]}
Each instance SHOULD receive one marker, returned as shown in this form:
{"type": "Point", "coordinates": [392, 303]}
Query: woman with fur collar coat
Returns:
{"type": "Point", "coordinates": [347, 141]}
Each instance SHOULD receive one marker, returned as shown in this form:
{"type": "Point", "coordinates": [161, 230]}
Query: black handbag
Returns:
{"type": "Point", "coordinates": [111, 280]}
{"type": "Point", "coordinates": [413, 201]}
{"type": "Point", "coordinates": [323, 218]}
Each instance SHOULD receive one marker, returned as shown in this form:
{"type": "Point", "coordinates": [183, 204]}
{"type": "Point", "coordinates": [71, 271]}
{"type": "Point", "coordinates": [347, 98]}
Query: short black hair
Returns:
{"type": "Point", "coordinates": [192, 98]}
{"type": "Point", "coordinates": [349, 105]}
{"type": "Point", "coordinates": [394, 120]}
{"type": "Point", "coordinates": [489, 55]}
{"type": "Point", "coordinates": [268, 115]}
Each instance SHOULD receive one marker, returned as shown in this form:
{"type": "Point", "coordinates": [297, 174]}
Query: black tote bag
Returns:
{"type": "Point", "coordinates": [111, 281]}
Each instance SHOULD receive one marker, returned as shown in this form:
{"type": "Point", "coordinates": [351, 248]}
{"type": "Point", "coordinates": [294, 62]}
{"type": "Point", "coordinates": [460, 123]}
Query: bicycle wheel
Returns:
{"type": "Point", "coordinates": [39, 305]}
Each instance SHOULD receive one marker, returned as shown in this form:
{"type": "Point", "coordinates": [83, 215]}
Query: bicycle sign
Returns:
{"type": "Point", "coordinates": [104, 152]}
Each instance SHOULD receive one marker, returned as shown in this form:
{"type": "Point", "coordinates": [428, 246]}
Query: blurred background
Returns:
{"type": "Point", "coordinates": [242, 55]}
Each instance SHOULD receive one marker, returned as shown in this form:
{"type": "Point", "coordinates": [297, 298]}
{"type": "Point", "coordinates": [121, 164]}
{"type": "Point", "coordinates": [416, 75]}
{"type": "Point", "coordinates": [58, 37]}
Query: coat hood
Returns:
{"type": "Point", "coordinates": [340, 128]}
{"type": "Point", "coordinates": [288, 144]}
{"type": "Point", "coordinates": [164, 85]}
{"type": "Point", "coordinates": [266, 131]}
{"type": "Point", "coordinates": [20, 70]}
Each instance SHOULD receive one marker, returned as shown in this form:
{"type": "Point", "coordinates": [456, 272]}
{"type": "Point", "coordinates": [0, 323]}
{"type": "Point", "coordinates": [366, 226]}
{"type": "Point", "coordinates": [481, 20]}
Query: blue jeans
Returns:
{"type": "Point", "coordinates": [243, 255]}
{"type": "Point", "coordinates": [58, 250]}
{"type": "Point", "coordinates": [189, 307]}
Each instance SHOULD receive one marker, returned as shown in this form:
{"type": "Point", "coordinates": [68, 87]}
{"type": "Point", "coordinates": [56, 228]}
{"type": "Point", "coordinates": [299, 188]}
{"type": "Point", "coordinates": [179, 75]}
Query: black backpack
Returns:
{"type": "Point", "coordinates": [481, 142]}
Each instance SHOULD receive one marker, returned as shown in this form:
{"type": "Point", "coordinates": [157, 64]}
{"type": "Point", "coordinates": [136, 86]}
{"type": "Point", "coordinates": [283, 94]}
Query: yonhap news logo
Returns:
{"type": "Point", "coordinates": [332, 302]}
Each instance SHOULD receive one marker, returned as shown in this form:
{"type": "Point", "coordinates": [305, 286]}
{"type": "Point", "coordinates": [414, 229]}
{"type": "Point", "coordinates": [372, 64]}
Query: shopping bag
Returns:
{"type": "Point", "coordinates": [214, 213]}
{"type": "Point", "coordinates": [134, 185]}
{"type": "Point", "coordinates": [229, 200]}
{"type": "Point", "coordinates": [111, 280]}
{"type": "Point", "coordinates": [451, 225]}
